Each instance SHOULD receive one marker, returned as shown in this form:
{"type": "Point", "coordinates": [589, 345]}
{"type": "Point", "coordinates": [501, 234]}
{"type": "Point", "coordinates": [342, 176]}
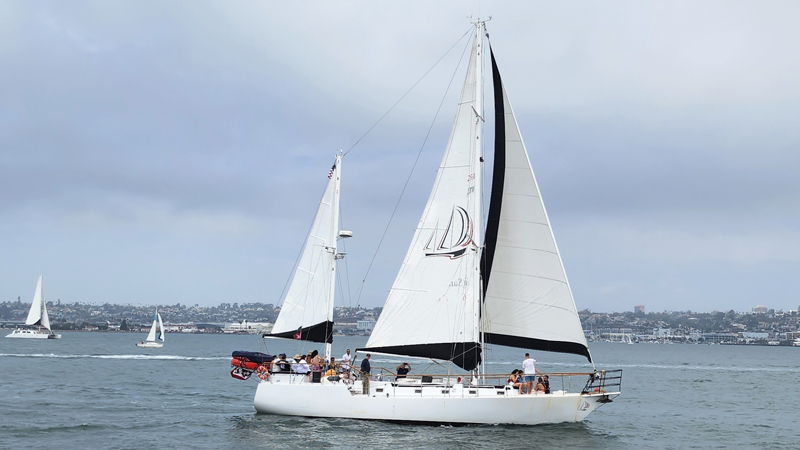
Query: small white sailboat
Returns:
{"type": "Point", "coordinates": [37, 316]}
{"type": "Point", "coordinates": [155, 339]}
{"type": "Point", "coordinates": [453, 295]}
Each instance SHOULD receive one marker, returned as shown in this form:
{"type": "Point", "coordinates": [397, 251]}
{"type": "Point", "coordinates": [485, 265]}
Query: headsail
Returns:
{"type": "Point", "coordinates": [307, 311]}
{"type": "Point", "coordinates": [160, 335]}
{"type": "Point", "coordinates": [527, 299]}
{"type": "Point", "coordinates": [432, 308]}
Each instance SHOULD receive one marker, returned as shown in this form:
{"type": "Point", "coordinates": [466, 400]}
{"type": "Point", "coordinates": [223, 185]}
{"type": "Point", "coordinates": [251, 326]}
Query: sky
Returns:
{"type": "Point", "coordinates": [174, 152]}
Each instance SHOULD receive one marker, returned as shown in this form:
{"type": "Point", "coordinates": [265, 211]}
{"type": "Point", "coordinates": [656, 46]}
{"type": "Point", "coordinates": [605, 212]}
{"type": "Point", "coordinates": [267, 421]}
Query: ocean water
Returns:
{"type": "Point", "coordinates": [97, 390]}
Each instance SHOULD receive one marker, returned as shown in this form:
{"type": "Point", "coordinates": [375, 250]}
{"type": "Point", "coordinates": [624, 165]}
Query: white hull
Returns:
{"type": "Point", "coordinates": [422, 403]}
{"type": "Point", "coordinates": [150, 345]}
{"type": "Point", "coordinates": [32, 334]}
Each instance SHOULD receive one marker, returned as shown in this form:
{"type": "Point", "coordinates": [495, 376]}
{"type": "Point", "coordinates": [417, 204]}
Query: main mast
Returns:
{"type": "Point", "coordinates": [478, 192]}
{"type": "Point", "coordinates": [337, 174]}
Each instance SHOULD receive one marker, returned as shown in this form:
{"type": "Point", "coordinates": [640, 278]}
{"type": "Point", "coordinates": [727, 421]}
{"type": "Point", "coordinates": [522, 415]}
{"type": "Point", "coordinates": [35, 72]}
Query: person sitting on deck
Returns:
{"type": "Point", "coordinates": [331, 367]}
{"type": "Point", "coordinates": [300, 366]}
{"type": "Point", "coordinates": [402, 370]}
{"type": "Point", "coordinates": [283, 365]}
{"type": "Point", "coordinates": [540, 386]}
{"type": "Point", "coordinates": [514, 380]}
{"type": "Point", "coordinates": [303, 366]}
{"type": "Point", "coordinates": [546, 381]}
{"type": "Point", "coordinates": [315, 361]}
{"type": "Point", "coordinates": [274, 365]}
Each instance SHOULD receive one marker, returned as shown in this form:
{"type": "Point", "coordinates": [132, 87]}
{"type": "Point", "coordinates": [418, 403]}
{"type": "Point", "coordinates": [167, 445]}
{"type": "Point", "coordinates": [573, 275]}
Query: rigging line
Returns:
{"type": "Point", "coordinates": [422, 147]}
{"type": "Point", "coordinates": [407, 92]}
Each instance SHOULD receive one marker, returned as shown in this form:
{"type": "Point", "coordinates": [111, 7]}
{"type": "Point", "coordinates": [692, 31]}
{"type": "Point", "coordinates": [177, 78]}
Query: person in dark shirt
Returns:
{"type": "Point", "coordinates": [546, 381]}
{"type": "Point", "coordinates": [402, 370]}
{"type": "Point", "coordinates": [365, 369]}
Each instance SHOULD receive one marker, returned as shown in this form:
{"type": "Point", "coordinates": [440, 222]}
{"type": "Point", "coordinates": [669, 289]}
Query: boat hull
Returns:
{"type": "Point", "coordinates": [391, 402]}
{"type": "Point", "coordinates": [149, 345]}
{"type": "Point", "coordinates": [30, 334]}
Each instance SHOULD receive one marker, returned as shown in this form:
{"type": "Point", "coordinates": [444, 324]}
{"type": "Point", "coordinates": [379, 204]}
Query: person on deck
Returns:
{"type": "Point", "coordinates": [346, 358]}
{"type": "Point", "coordinates": [546, 381]}
{"type": "Point", "coordinates": [331, 368]}
{"type": "Point", "coordinates": [402, 370]}
{"type": "Point", "coordinates": [515, 380]}
{"type": "Point", "coordinates": [365, 369]}
{"type": "Point", "coordinates": [540, 386]}
{"type": "Point", "coordinates": [302, 366]}
{"type": "Point", "coordinates": [529, 368]}
{"type": "Point", "coordinates": [283, 364]}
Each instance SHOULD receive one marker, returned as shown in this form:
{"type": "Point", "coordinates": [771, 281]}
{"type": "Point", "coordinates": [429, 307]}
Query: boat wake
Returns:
{"type": "Point", "coordinates": [142, 357]}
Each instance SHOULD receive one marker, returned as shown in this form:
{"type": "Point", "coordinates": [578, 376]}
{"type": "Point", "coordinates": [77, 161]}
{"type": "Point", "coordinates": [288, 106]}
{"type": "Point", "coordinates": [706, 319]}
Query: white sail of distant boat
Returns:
{"type": "Point", "coordinates": [37, 317]}
{"type": "Point", "coordinates": [155, 338]}
{"type": "Point", "coordinates": [457, 291]}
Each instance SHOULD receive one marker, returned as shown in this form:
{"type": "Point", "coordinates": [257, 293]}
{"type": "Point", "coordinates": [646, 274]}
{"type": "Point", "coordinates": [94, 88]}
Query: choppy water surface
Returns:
{"type": "Point", "coordinates": [97, 390]}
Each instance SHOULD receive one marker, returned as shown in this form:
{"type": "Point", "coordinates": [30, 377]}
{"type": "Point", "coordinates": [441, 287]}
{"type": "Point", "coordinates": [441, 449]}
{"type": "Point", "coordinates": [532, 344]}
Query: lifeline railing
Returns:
{"type": "Point", "coordinates": [604, 381]}
{"type": "Point", "coordinates": [559, 381]}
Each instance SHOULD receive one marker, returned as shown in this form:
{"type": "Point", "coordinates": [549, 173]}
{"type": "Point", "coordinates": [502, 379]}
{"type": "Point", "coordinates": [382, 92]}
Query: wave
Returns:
{"type": "Point", "coordinates": [142, 357]}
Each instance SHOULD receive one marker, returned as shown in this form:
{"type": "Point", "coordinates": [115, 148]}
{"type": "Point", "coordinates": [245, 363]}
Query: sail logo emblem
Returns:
{"type": "Point", "coordinates": [584, 406]}
{"type": "Point", "coordinates": [454, 239]}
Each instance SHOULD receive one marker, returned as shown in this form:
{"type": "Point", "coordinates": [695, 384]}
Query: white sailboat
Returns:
{"type": "Point", "coordinates": [452, 295]}
{"type": "Point", "coordinates": [37, 316]}
{"type": "Point", "coordinates": [155, 339]}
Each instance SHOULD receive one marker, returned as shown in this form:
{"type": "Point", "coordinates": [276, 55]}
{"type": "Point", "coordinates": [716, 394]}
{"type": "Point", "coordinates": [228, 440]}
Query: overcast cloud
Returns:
{"type": "Point", "coordinates": [174, 152]}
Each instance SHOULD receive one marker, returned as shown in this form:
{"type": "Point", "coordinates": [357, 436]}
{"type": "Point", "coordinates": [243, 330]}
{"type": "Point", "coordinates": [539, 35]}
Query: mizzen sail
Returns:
{"type": "Point", "coordinates": [307, 311]}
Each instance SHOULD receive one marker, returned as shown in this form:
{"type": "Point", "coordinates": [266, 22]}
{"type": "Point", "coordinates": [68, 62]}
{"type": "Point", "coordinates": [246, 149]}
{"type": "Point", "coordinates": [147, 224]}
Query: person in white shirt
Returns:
{"type": "Point", "coordinates": [346, 358]}
{"type": "Point", "coordinates": [302, 366]}
{"type": "Point", "coordinates": [529, 369]}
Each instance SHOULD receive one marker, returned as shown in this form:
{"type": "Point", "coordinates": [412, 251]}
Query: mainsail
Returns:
{"type": "Point", "coordinates": [37, 315]}
{"type": "Point", "coordinates": [527, 300]}
{"type": "Point", "coordinates": [432, 308]}
{"type": "Point", "coordinates": [307, 311]}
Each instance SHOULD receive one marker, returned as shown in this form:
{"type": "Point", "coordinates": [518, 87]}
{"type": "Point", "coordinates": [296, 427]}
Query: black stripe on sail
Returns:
{"type": "Point", "coordinates": [321, 332]}
{"type": "Point", "coordinates": [537, 344]}
{"type": "Point", "coordinates": [498, 178]}
{"type": "Point", "coordinates": [466, 355]}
